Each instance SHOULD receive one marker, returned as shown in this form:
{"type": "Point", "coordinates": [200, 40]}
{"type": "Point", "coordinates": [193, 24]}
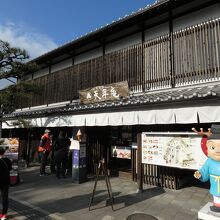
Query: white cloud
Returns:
{"type": "Point", "coordinates": [26, 38]}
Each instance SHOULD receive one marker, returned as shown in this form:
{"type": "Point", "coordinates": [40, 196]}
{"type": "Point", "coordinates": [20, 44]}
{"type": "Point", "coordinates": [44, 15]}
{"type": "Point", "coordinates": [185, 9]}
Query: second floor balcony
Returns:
{"type": "Point", "coordinates": [185, 57]}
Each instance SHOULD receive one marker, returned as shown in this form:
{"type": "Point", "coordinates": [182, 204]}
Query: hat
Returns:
{"type": "Point", "coordinates": [215, 129]}
{"type": "Point", "coordinates": [47, 131]}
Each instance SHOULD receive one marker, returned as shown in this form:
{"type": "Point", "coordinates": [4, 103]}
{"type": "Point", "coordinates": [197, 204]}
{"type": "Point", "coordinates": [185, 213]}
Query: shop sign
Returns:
{"type": "Point", "coordinates": [75, 158]}
{"type": "Point", "coordinates": [123, 152]}
{"type": "Point", "coordinates": [181, 150]}
{"type": "Point", "coordinates": [11, 146]}
{"type": "Point", "coordinates": [74, 144]}
{"type": "Point", "coordinates": [79, 154]}
{"type": "Point", "coordinates": [108, 92]}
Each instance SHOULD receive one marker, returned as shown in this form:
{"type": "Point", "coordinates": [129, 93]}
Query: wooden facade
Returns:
{"type": "Point", "coordinates": [188, 56]}
{"type": "Point", "coordinates": [184, 57]}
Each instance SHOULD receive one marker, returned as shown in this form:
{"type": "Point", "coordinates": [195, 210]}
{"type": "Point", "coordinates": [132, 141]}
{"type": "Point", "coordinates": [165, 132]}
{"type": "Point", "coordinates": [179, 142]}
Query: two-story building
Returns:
{"type": "Point", "coordinates": [157, 69]}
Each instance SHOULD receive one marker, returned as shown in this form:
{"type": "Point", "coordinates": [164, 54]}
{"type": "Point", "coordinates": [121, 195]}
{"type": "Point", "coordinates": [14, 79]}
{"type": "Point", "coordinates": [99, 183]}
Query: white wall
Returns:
{"type": "Point", "coordinates": [62, 65]}
{"type": "Point", "coordinates": [123, 43]}
{"type": "Point", "coordinates": [156, 31]}
{"type": "Point", "coordinates": [88, 55]}
{"type": "Point", "coordinates": [197, 17]}
{"type": "Point", "coordinates": [41, 73]}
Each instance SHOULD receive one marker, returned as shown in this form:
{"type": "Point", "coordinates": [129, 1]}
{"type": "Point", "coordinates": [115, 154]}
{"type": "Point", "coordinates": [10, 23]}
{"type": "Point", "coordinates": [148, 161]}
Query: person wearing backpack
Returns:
{"type": "Point", "coordinates": [61, 148]}
{"type": "Point", "coordinates": [5, 167]}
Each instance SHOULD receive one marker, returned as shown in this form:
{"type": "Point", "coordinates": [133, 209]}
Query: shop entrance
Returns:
{"type": "Point", "coordinates": [120, 152]}
{"type": "Point", "coordinates": [117, 146]}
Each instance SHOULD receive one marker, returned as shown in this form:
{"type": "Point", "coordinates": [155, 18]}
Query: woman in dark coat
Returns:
{"type": "Point", "coordinates": [5, 167]}
{"type": "Point", "coordinates": [61, 148]}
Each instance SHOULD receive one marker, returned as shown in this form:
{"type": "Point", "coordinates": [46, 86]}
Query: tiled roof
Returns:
{"type": "Point", "coordinates": [183, 94]}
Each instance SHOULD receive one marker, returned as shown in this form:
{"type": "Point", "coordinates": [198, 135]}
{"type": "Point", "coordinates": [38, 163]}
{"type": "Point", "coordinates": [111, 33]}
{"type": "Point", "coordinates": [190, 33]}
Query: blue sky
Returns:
{"type": "Point", "coordinates": [42, 25]}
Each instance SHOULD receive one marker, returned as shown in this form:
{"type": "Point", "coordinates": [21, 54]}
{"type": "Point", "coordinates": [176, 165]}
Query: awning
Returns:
{"type": "Point", "coordinates": [182, 115]}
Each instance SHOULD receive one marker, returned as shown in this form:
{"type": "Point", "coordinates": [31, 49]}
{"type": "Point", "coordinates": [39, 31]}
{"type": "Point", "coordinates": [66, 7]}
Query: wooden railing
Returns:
{"type": "Point", "coordinates": [157, 71]}
{"type": "Point", "coordinates": [188, 56]}
{"type": "Point", "coordinates": [197, 53]}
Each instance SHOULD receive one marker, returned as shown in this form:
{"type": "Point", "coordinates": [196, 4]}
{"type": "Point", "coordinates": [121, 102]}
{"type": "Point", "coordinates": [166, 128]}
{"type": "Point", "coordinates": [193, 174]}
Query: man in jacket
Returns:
{"type": "Point", "coordinates": [61, 148]}
{"type": "Point", "coordinates": [5, 167]}
{"type": "Point", "coordinates": [45, 149]}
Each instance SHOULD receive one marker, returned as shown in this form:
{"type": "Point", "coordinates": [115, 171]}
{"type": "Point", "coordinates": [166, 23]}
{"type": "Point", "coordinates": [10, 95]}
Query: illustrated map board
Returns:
{"type": "Point", "coordinates": [181, 150]}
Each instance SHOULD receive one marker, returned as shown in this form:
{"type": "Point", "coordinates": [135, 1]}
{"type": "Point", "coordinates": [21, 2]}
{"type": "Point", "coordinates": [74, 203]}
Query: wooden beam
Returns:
{"type": "Point", "coordinates": [139, 164]}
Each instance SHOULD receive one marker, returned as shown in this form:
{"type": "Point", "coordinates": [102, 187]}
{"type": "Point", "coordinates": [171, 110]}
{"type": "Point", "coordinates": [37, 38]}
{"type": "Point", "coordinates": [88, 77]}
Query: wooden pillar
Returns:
{"type": "Point", "coordinates": [143, 60]}
{"type": "Point", "coordinates": [172, 73]}
{"type": "Point", "coordinates": [104, 80]}
{"type": "Point", "coordinates": [28, 147]}
{"type": "Point", "coordinates": [139, 164]}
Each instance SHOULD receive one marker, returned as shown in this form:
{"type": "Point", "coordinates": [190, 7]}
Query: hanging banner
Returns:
{"type": "Point", "coordinates": [181, 150]}
{"type": "Point", "coordinates": [11, 146]}
{"type": "Point", "coordinates": [108, 92]}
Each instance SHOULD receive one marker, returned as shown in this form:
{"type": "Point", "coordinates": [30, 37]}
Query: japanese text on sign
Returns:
{"type": "Point", "coordinates": [104, 93]}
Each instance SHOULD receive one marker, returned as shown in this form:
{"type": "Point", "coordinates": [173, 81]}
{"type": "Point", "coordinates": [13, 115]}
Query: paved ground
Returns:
{"type": "Point", "coordinates": [49, 198]}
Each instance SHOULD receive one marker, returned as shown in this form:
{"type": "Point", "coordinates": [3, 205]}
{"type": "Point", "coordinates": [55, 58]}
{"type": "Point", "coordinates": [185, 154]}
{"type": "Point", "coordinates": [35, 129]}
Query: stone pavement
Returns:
{"type": "Point", "coordinates": [49, 198]}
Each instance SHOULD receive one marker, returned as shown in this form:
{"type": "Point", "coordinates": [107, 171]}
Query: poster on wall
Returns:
{"type": "Point", "coordinates": [181, 150]}
{"type": "Point", "coordinates": [121, 152]}
{"type": "Point", "coordinates": [11, 146]}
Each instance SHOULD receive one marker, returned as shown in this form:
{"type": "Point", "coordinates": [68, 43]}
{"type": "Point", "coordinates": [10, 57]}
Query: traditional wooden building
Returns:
{"type": "Point", "coordinates": [167, 55]}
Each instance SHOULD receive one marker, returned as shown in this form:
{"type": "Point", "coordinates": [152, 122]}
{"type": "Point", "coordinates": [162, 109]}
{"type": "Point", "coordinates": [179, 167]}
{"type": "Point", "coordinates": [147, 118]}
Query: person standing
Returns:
{"type": "Point", "coordinates": [5, 167]}
{"type": "Point", "coordinates": [61, 148]}
{"type": "Point", "coordinates": [44, 150]}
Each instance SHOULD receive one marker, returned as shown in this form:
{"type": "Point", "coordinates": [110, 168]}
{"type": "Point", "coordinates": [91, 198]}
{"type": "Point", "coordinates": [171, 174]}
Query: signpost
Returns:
{"type": "Point", "coordinates": [102, 170]}
{"type": "Point", "coordinates": [79, 171]}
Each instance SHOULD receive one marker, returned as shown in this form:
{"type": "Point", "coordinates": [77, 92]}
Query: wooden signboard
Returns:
{"type": "Point", "coordinates": [108, 92]}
